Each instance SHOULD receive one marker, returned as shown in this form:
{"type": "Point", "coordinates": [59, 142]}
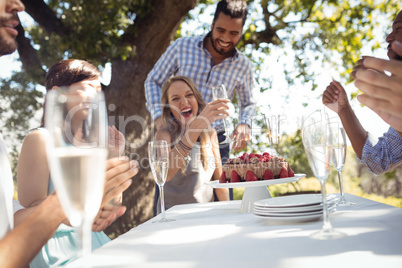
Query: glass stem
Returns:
{"type": "Point", "coordinates": [227, 134]}
{"type": "Point", "coordinates": [86, 239]}
{"type": "Point", "coordinates": [327, 224]}
{"type": "Point", "coordinates": [340, 185]}
{"type": "Point", "coordinates": [162, 201]}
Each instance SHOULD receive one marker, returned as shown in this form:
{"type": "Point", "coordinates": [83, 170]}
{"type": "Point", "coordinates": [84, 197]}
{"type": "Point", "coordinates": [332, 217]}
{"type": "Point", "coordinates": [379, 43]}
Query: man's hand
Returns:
{"type": "Point", "coordinates": [241, 136]}
{"type": "Point", "coordinates": [335, 97]}
{"type": "Point", "coordinates": [382, 93]}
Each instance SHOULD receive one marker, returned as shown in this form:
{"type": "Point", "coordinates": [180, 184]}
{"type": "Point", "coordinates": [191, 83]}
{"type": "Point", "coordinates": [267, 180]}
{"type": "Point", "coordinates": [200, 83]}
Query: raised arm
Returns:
{"type": "Point", "coordinates": [335, 98]}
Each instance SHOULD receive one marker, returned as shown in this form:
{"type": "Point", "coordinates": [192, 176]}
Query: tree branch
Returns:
{"type": "Point", "coordinates": [158, 25]}
{"type": "Point", "coordinates": [266, 36]}
{"type": "Point", "coordinates": [29, 57]}
{"type": "Point", "coordinates": [45, 17]}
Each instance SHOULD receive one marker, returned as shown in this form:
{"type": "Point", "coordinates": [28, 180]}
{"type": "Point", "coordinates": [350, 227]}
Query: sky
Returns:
{"type": "Point", "coordinates": [284, 100]}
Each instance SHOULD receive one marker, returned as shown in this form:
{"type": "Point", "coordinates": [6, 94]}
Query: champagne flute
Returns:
{"type": "Point", "coordinates": [315, 134]}
{"type": "Point", "coordinates": [77, 150]}
{"type": "Point", "coordinates": [338, 144]}
{"type": "Point", "coordinates": [220, 92]}
{"type": "Point", "coordinates": [159, 161]}
{"type": "Point", "coordinates": [273, 131]}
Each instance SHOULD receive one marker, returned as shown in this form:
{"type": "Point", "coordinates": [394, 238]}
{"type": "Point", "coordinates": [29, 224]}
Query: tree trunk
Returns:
{"type": "Point", "coordinates": [125, 97]}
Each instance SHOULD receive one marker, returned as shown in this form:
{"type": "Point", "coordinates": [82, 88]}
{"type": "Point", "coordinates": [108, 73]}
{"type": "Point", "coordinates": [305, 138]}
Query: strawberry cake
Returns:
{"type": "Point", "coordinates": [253, 167]}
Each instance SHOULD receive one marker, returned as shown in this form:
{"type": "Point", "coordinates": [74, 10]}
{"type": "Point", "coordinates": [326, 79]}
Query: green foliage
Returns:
{"type": "Point", "coordinates": [291, 148]}
{"type": "Point", "coordinates": [98, 30]}
{"type": "Point", "coordinates": [19, 100]}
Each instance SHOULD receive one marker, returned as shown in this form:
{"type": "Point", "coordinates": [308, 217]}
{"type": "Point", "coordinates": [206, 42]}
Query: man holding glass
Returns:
{"type": "Point", "coordinates": [210, 61]}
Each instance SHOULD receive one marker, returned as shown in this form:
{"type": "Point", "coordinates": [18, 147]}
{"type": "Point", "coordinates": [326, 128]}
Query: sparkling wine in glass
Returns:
{"type": "Point", "coordinates": [273, 131]}
{"type": "Point", "coordinates": [158, 154]}
{"type": "Point", "coordinates": [76, 122]}
{"type": "Point", "coordinates": [315, 136]}
{"type": "Point", "coordinates": [220, 92]}
{"type": "Point", "coordinates": [338, 148]}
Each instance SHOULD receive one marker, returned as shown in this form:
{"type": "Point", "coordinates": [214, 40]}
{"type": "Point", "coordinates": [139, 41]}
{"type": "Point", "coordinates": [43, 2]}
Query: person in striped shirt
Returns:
{"type": "Point", "coordinates": [383, 154]}
{"type": "Point", "coordinates": [210, 61]}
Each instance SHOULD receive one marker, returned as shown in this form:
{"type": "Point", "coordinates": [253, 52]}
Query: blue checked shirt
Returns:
{"type": "Point", "coordinates": [384, 154]}
{"type": "Point", "coordinates": [187, 57]}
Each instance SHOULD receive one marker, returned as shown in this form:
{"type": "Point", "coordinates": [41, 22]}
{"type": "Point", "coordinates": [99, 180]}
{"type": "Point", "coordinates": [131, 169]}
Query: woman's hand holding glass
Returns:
{"type": "Point", "coordinates": [220, 92]}
{"type": "Point", "coordinates": [215, 110]}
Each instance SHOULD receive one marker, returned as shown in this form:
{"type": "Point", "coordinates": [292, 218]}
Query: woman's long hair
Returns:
{"type": "Point", "coordinates": [173, 126]}
{"type": "Point", "coordinates": [67, 72]}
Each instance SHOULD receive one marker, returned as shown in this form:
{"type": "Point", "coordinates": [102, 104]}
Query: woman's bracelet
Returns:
{"type": "Point", "coordinates": [184, 147]}
{"type": "Point", "coordinates": [187, 158]}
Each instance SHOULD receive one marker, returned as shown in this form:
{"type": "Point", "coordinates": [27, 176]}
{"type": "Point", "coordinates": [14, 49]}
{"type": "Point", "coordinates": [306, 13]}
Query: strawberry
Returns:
{"type": "Point", "coordinates": [268, 175]}
{"type": "Point", "coordinates": [246, 158]}
{"type": "Point", "coordinates": [234, 177]}
{"type": "Point", "coordinates": [267, 158]}
{"type": "Point", "coordinates": [222, 179]}
{"type": "Point", "coordinates": [284, 173]}
{"type": "Point", "coordinates": [290, 173]}
{"type": "Point", "coordinates": [250, 176]}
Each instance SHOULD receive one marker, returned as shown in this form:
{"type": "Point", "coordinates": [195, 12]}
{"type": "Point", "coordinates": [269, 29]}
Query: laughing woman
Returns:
{"type": "Point", "coordinates": [194, 157]}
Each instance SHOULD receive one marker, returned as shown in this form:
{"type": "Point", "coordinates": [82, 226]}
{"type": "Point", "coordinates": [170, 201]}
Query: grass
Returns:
{"type": "Point", "coordinates": [308, 185]}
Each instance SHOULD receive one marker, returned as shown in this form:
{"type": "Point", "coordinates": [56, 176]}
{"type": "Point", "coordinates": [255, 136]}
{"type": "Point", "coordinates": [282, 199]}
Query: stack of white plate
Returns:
{"type": "Point", "coordinates": [293, 208]}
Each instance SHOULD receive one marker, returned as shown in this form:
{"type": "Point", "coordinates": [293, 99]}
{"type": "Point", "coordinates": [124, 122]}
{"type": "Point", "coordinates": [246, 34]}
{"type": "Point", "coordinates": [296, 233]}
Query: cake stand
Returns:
{"type": "Point", "coordinates": [254, 190]}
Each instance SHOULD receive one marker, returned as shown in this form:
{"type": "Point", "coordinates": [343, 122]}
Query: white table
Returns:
{"type": "Point", "coordinates": [218, 235]}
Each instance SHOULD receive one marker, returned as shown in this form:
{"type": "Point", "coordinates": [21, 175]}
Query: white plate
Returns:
{"type": "Point", "coordinates": [260, 212]}
{"type": "Point", "coordinates": [293, 201]}
{"type": "Point", "coordinates": [296, 219]}
{"type": "Point", "coordinates": [217, 184]}
{"type": "Point", "coordinates": [331, 202]}
{"type": "Point", "coordinates": [290, 219]}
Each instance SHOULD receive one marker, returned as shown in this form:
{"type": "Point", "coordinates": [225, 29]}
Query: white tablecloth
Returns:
{"type": "Point", "coordinates": [218, 235]}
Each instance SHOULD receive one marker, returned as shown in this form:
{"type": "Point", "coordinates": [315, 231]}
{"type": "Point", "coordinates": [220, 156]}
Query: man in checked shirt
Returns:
{"type": "Point", "coordinates": [384, 154]}
{"type": "Point", "coordinates": [210, 61]}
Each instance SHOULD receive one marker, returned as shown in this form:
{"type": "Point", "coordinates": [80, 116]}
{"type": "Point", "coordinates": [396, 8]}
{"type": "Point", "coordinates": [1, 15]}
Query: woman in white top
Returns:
{"type": "Point", "coordinates": [194, 148]}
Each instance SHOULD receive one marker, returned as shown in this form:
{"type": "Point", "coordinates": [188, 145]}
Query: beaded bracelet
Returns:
{"type": "Point", "coordinates": [187, 158]}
